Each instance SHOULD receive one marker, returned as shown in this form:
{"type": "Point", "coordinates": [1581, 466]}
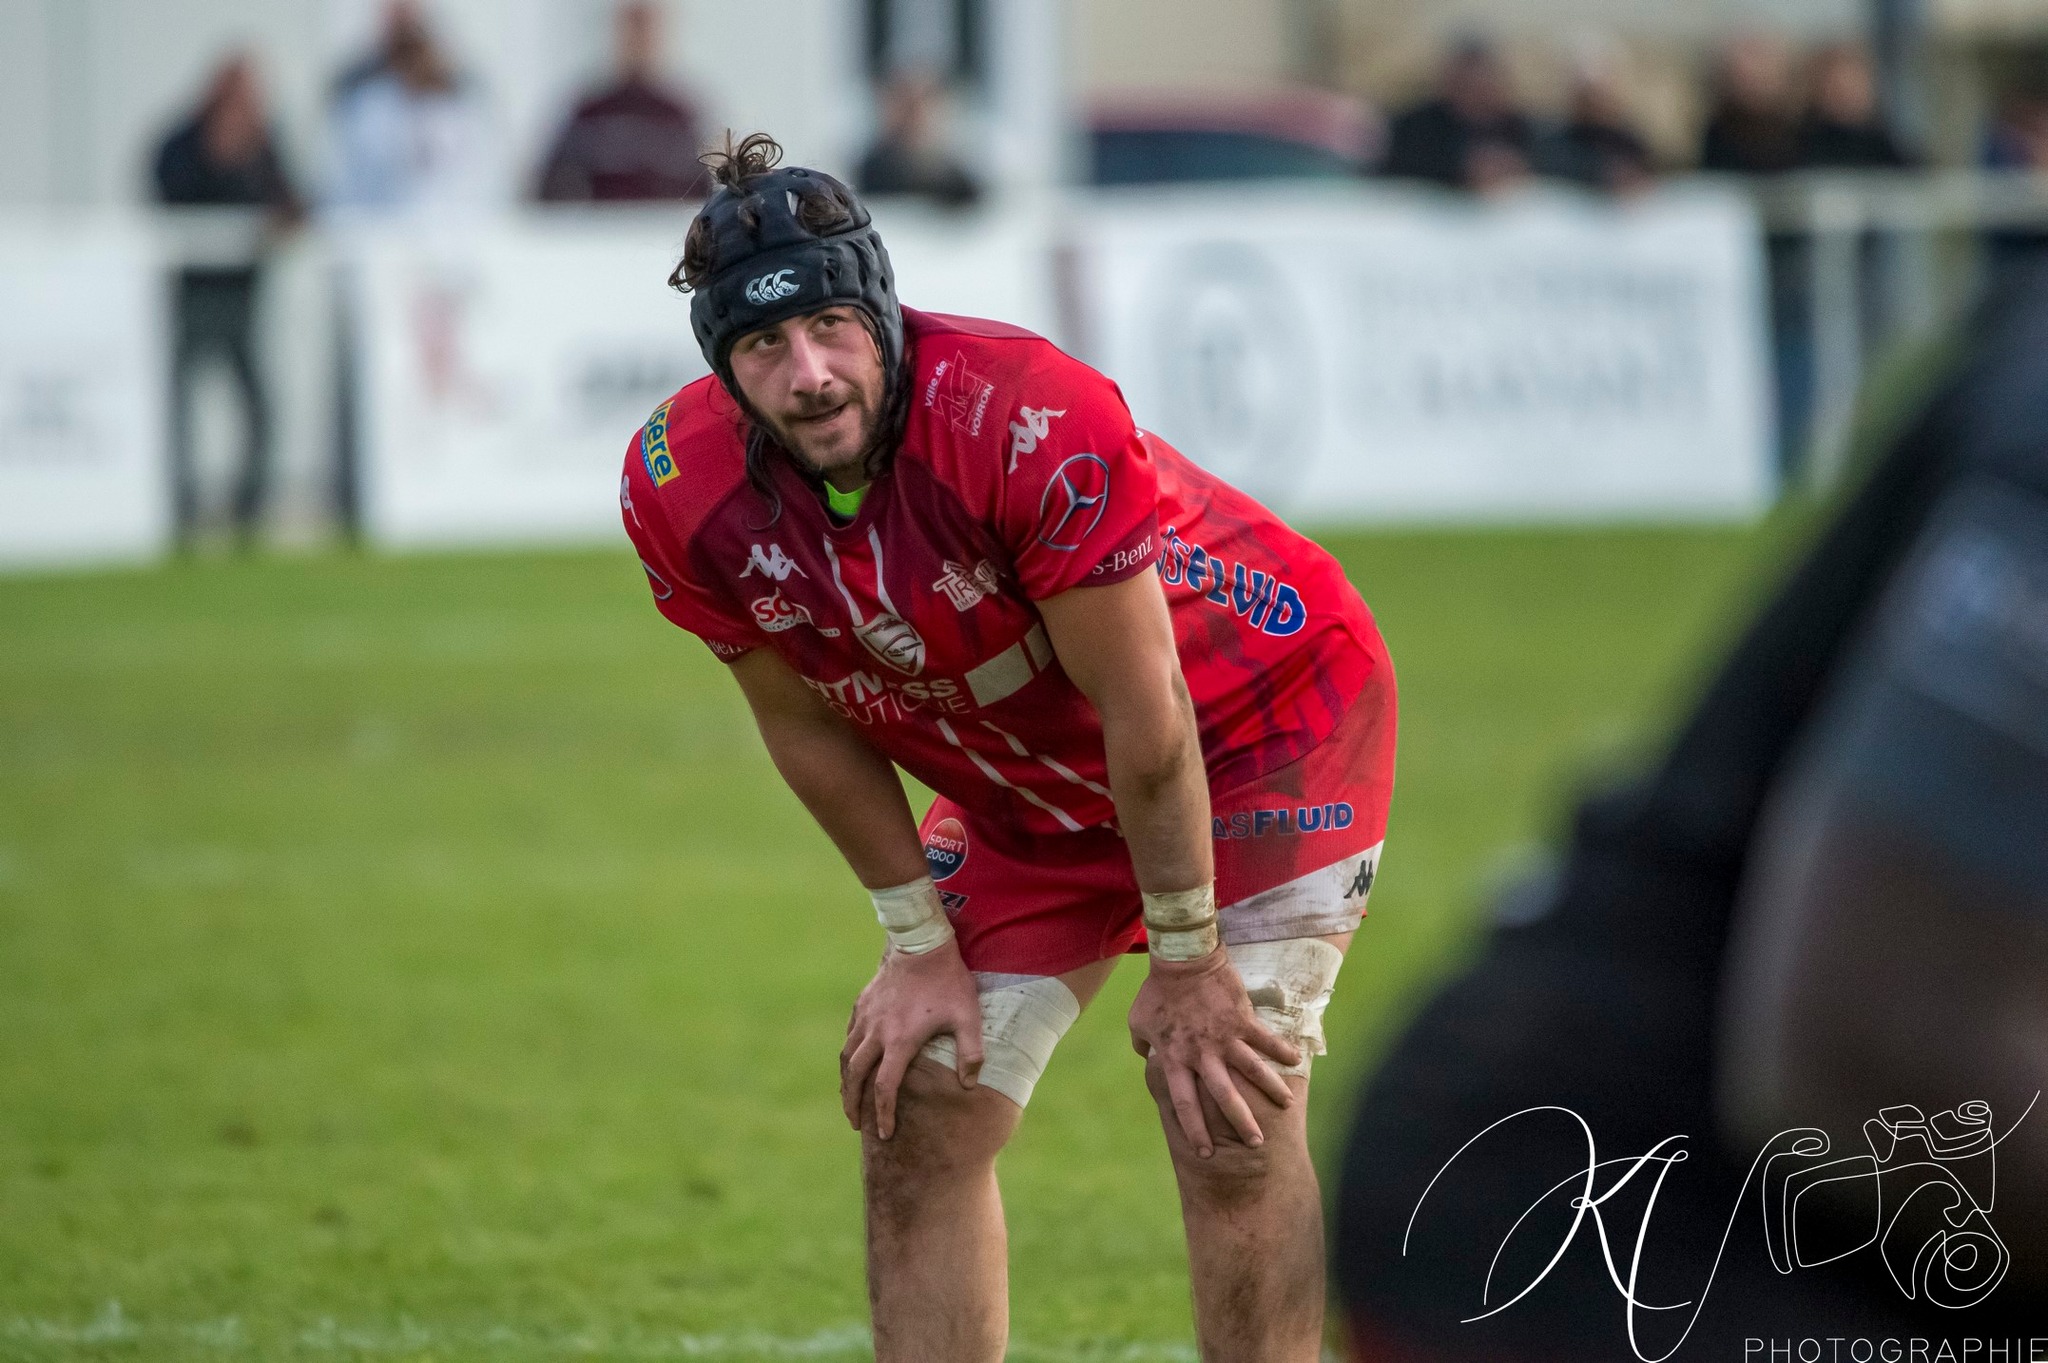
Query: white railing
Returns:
{"type": "Point", "coordinates": [1890, 258]}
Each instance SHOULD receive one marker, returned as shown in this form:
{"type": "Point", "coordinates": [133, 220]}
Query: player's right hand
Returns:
{"type": "Point", "coordinates": [1194, 1019]}
{"type": "Point", "coordinates": [910, 1000]}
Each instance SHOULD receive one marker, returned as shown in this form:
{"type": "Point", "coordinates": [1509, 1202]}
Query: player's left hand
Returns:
{"type": "Point", "coordinates": [911, 1000]}
{"type": "Point", "coordinates": [1193, 1017]}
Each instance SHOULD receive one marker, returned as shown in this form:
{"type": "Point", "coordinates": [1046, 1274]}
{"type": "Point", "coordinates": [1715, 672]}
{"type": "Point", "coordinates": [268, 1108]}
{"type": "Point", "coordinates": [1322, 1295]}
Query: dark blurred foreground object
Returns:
{"type": "Point", "coordinates": [1286, 135]}
{"type": "Point", "coordinates": [1826, 908]}
{"type": "Point", "coordinates": [910, 157]}
{"type": "Point", "coordinates": [634, 140]}
{"type": "Point", "coordinates": [1469, 135]}
{"type": "Point", "coordinates": [223, 156]}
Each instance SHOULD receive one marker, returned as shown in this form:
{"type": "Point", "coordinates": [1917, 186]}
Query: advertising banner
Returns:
{"type": "Point", "coordinates": [83, 468]}
{"type": "Point", "coordinates": [507, 366]}
{"type": "Point", "coordinates": [503, 370]}
{"type": "Point", "coordinates": [1356, 354]}
{"type": "Point", "coordinates": [1366, 353]}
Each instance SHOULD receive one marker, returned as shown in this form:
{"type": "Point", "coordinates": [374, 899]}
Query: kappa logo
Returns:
{"type": "Point", "coordinates": [776, 613]}
{"type": "Point", "coordinates": [626, 499]}
{"type": "Point", "coordinates": [770, 287]}
{"type": "Point", "coordinates": [773, 564]}
{"type": "Point", "coordinates": [965, 587]}
{"type": "Point", "coordinates": [1035, 425]}
{"type": "Point", "coordinates": [1075, 499]}
{"type": "Point", "coordinates": [1368, 872]}
{"type": "Point", "coordinates": [959, 393]}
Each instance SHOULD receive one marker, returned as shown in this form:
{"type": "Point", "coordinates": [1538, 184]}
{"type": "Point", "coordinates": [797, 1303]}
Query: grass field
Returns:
{"type": "Point", "coordinates": [419, 959]}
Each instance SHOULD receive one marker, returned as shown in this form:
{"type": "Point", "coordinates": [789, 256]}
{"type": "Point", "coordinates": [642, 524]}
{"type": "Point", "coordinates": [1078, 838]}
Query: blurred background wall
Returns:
{"type": "Point", "coordinates": [1845, 168]}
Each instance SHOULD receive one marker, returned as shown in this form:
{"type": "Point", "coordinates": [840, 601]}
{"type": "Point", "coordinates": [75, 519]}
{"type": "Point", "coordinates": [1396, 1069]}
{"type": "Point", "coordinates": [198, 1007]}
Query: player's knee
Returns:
{"type": "Point", "coordinates": [1234, 1170]}
{"type": "Point", "coordinates": [1233, 1173]}
{"type": "Point", "coordinates": [940, 1126]}
{"type": "Point", "coordinates": [943, 1134]}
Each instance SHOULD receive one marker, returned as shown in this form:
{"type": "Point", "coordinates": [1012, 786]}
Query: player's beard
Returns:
{"type": "Point", "coordinates": [846, 442]}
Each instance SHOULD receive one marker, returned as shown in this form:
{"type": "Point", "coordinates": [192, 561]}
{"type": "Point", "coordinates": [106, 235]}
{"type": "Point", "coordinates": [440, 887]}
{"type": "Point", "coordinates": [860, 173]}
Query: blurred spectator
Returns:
{"type": "Point", "coordinates": [223, 156]}
{"type": "Point", "coordinates": [637, 138]}
{"type": "Point", "coordinates": [1597, 145]}
{"type": "Point", "coordinates": [1844, 127]}
{"type": "Point", "coordinates": [1469, 135]}
{"type": "Point", "coordinates": [375, 62]}
{"type": "Point", "coordinates": [2018, 141]}
{"type": "Point", "coordinates": [2018, 138]}
{"type": "Point", "coordinates": [1754, 129]}
{"type": "Point", "coordinates": [910, 157]}
{"type": "Point", "coordinates": [1828, 900]}
{"type": "Point", "coordinates": [408, 131]}
{"type": "Point", "coordinates": [1754, 126]}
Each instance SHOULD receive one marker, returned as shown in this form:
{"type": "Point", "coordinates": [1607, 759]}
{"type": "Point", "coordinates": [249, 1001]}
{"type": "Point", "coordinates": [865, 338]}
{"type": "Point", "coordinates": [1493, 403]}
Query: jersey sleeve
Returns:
{"type": "Point", "coordinates": [1080, 493]}
{"type": "Point", "coordinates": [677, 596]}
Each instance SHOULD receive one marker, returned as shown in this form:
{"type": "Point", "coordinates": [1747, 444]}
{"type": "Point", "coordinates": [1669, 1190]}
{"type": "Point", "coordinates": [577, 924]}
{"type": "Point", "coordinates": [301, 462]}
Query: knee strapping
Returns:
{"type": "Point", "coordinates": [1289, 984]}
{"type": "Point", "coordinates": [1022, 1018]}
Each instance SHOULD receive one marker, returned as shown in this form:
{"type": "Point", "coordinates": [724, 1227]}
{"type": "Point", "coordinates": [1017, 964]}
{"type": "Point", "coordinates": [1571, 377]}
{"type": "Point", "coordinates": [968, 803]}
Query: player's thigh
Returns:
{"type": "Point", "coordinates": [944, 1127]}
{"type": "Point", "coordinates": [1023, 1018]}
{"type": "Point", "coordinates": [1041, 922]}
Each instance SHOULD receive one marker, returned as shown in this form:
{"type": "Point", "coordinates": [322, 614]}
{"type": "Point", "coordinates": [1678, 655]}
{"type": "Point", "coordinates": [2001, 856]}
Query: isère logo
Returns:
{"type": "Point", "coordinates": [661, 465]}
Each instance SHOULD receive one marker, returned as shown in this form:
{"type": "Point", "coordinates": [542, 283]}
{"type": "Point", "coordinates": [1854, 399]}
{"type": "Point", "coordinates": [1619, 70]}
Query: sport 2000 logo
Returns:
{"type": "Point", "coordinates": [1927, 1186]}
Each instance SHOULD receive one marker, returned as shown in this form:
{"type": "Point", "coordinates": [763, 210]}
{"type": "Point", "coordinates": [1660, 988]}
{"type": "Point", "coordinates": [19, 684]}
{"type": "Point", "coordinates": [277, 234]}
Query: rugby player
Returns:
{"type": "Point", "coordinates": [1155, 717]}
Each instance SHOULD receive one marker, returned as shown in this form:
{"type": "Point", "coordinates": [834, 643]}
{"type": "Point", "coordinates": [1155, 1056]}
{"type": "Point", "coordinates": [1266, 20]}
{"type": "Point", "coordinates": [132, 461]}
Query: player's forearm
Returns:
{"type": "Point", "coordinates": [1162, 792]}
{"type": "Point", "coordinates": [854, 794]}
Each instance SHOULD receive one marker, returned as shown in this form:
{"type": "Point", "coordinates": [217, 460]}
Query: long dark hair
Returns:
{"type": "Point", "coordinates": [822, 210]}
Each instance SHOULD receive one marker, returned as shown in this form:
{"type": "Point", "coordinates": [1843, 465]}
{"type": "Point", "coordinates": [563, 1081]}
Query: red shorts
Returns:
{"type": "Point", "coordinates": [1296, 852]}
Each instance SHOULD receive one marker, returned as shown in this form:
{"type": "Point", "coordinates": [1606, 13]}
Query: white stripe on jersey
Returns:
{"type": "Point", "coordinates": [1066, 820]}
{"type": "Point", "coordinates": [1017, 747]}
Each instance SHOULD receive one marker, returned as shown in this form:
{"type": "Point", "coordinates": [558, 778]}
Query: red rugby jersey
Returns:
{"type": "Point", "coordinates": [1020, 476]}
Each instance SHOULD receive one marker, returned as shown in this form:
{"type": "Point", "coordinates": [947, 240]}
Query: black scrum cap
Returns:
{"type": "Point", "coordinates": [778, 268]}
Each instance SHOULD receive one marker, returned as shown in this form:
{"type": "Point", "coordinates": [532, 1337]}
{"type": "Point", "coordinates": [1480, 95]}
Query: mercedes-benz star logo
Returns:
{"type": "Point", "coordinates": [1074, 500]}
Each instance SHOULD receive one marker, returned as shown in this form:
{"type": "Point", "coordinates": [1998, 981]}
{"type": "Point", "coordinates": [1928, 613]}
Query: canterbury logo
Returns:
{"type": "Point", "coordinates": [770, 287]}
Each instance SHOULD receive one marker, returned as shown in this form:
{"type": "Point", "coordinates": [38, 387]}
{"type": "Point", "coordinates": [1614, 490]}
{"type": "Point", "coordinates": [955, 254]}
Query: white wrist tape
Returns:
{"type": "Point", "coordinates": [913, 915]}
{"type": "Point", "coordinates": [1181, 925]}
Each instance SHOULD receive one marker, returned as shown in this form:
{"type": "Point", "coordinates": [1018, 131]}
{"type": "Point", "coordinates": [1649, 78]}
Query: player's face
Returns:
{"type": "Point", "coordinates": [817, 381]}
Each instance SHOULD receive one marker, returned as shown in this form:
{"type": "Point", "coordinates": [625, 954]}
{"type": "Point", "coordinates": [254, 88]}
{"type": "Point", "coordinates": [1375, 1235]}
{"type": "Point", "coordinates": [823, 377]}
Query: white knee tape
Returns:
{"type": "Point", "coordinates": [1022, 1018]}
{"type": "Point", "coordinates": [1289, 984]}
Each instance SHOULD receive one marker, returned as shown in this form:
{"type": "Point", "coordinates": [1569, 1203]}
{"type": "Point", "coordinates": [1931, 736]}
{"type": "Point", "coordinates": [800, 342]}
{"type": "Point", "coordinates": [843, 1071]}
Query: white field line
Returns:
{"type": "Point", "coordinates": [113, 1327]}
